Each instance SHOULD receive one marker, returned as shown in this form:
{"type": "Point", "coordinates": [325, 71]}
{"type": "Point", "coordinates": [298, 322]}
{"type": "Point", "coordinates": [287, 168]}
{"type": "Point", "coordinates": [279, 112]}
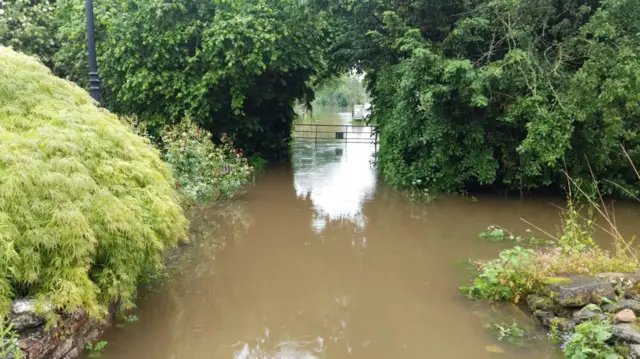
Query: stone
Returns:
{"type": "Point", "coordinates": [584, 314]}
{"type": "Point", "coordinates": [544, 317]}
{"type": "Point", "coordinates": [538, 302]}
{"type": "Point", "coordinates": [630, 304]}
{"type": "Point", "coordinates": [579, 291]}
{"type": "Point", "coordinates": [72, 354]}
{"type": "Point", "coordinates": [24, 316]}
{"type": "Point", "coordinates": [634, 351]}
{"type": "Point", "coordinates": [62, 349]}
{"type": "Point", "coordinates": [625, 316]}
{"type": "Point", "coordinates": [622, 304]}
{"type": "Point", "coordinates": [623, 280]}
{"type": "Point", "coordinates": [627, 332]}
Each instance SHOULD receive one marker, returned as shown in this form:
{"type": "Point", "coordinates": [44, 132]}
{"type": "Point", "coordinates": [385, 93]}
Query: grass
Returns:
{"type": "Point", "coordinates": [86, 206]}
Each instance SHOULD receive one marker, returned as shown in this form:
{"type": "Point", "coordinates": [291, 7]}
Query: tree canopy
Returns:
{"type": "Point", "coordinates": [502, 92]}
{"type": "Point", "coordinates": [506, 93]}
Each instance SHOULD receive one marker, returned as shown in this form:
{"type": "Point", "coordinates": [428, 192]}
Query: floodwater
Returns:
{"type": "Point", "coordinates": [321, 260]}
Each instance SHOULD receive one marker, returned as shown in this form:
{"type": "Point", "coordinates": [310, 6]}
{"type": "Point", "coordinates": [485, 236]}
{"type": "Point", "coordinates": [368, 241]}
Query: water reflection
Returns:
{"type": "Point", "coordinates": [336, 176]}
{"type": "Point", "coordinates": [285, 349]}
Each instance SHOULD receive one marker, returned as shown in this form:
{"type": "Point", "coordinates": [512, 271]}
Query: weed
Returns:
{"type": "Point", "coordinates": [131, 318]}
{"type": "Point", "coordinates": [95, 350]}
{"type": "Point", "coordinates": [590, 341]}
{"type": "Point", "coordinates": [9, 342]}
{"type": "Point", "coordinates": [510, 333]}
{"type": "Point", "coordinates": [506, 278]}
{"type": "Point", "coordinates": [420, 195]}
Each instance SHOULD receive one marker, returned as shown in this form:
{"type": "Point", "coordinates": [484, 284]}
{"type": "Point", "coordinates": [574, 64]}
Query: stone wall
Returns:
{"type": "Point", "coordinates": [65, 341]}
{"type": "Point", "coordinates": [614, 297]}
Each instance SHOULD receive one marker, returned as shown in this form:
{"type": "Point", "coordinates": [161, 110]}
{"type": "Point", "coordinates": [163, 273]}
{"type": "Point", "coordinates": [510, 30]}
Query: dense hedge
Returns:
{"type": "Point", "coordinates": [86, 206]}
{"type": "Point", "coordinates": [498, 92]}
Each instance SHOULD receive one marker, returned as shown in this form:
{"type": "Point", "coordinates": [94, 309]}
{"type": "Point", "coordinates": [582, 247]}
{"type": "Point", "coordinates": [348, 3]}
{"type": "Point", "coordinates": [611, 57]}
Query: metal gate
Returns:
{"type": "Point", "coordinates": [336, 133]}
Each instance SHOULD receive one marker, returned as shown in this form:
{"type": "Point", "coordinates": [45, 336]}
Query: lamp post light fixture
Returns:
{"type": "Point", "coordinates": [94, 80]}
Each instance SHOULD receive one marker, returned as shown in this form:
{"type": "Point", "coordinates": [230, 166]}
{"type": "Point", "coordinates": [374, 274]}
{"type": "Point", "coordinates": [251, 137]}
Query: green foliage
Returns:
{"type": "Point", "coordinates": [232, 66]}
{"type": "Point", "coordinates": [510, 333]}
{"type": "Point", "coordinates": [590, 342]}
{"type": "Point", "coordinates": [29, 27]}
{"type": "Point", "coordinates": [95, 350]}
{"type": "Point", "coordinates": [9, 341]}
{"type": "Point", "coordinates": [502, 92]}
{"type": "Point", "coordinates": [86, 206]}
{"type": "Point", "coordinates": [204, 171]}
{"type": "Point", "coordinates": [131, 318]}
{"type": "Point", "coordinates": [506, 278]}
{"type": "Point", "coordinates": [343, 91]}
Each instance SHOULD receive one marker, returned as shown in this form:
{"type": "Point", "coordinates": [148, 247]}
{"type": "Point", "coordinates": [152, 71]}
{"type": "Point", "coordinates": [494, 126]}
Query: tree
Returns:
{"type": "Point", "coordinates": [232, 66]}
{"type": "Point", "coordinates": [501, 92]}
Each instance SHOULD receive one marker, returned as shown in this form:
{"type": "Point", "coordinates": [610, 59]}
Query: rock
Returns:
{"type": "Point", "coordinates": [630, 304]}
{"type": "Point", "coordinates": [622, 304]}
{"type": "Point", "coordinates": [610, 307]}
{"type": "Point", "coordinates": [625, 316]}
{"type": "Point", "coordinates": [634, 351]}
{"type": "Point", "coordinates": [62, 349]}
{"type": "Point", "coordinates": [622, 280]}
{"type": "Point", "coordinates": [564, 324]}
{"type": "Point", "coordinates": [538, 302]}
{"type": "Point", "coordinates": [585, 314]}
{"type": "Point", "coordinates": [544, 317]}
{"type": "Point", "coordinates": [627, 332]}
{"type": "Point", "coordinates": [72, 354]}
{"type": "Point", "coordinates": [23, 314]}
{"type": "Point", "coordinates": [578, 291]}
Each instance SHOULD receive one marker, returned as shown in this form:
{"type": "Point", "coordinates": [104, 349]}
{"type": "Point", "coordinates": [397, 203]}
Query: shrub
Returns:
{"type": "Point", "coordinates": [204, 171]}
{"type": "Point", "coordinates": [590, 341]}
{"type": "Point", "coordinates": [506, 278]}
{"type": "Point", "coordinates": [86, 206]}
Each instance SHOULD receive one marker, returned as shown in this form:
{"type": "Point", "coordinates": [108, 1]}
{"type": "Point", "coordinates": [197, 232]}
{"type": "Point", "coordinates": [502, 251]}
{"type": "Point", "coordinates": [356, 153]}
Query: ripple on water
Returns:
{"type": "Point", "coordinates": [286, 349]}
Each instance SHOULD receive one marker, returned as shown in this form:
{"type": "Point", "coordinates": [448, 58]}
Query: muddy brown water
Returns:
{"type": "Point", "coordinates": [321, 260]}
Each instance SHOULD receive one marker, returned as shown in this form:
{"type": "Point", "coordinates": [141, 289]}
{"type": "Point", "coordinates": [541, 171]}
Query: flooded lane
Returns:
{"type": "Point", "coordinates": [321, 260]}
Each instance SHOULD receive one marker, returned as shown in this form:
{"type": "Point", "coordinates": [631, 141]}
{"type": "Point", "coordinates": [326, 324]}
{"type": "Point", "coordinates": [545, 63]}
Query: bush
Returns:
{"type": "Point", "coordinates": [590, 341]}
{"type": "Point", "coordinates": [204, 171]}
{"type": "Point", "coordinates": [86, 206]}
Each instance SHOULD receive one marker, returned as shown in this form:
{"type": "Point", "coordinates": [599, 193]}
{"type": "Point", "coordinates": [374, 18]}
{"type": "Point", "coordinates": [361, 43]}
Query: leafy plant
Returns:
{"type": "Point", "coordinates": [29, 27]}
{"type": "Point", "coordinates": [9, 341]}
{"type": "Point", "coordinates": [511, 333]}
{"type": "Point", "coordinates": [95, 350]}
{"type": "Point", "coordinates": [132, 318]}
{"type": "Point", "coordinates": [204, 171]}
{"type": "Point", "coordinates": [232, 66]}
{"type": "Point", "coordinates": [483, 93]}
{"type": "Point", "coordinates": [506, 278]}
{"type": "Point", "coordinates": [497, 234]}
{"type": "Point", "coordinates": [590, 342]}
{"type": "Point", "coordinates": [86, 206]}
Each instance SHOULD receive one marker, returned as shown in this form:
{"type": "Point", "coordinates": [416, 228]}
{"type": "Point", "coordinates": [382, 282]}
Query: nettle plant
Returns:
{"type": "Point", "coordinates": [204, 171]}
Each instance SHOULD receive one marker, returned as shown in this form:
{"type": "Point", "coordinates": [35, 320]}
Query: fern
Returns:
{"type": "Point", "coordinates": [86, 206]}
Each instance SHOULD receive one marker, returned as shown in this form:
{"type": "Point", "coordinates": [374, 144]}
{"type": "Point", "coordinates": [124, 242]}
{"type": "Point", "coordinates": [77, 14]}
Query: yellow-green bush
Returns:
{"type": "Point", "coordinates": [86, 206]}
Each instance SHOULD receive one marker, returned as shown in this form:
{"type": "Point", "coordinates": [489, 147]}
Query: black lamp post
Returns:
{"type": "Point", "coordinates": [94, 80]}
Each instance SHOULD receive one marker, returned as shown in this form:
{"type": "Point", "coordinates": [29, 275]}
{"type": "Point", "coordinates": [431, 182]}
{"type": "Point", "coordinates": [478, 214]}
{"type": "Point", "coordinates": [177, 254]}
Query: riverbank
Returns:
{"type": "Point", "coordinates": [587, 297]}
